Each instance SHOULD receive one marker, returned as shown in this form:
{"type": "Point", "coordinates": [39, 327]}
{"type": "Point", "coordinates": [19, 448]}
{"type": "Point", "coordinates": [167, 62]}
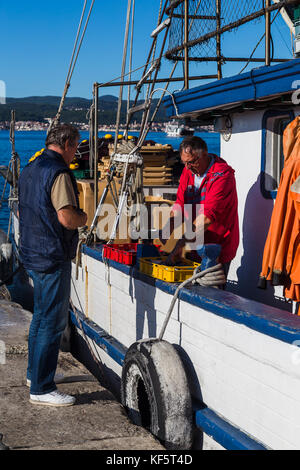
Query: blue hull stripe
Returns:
{"type": "Point", "coordinates": [224, 433]}
{"type": "Point", "coordinates": [108, 343]}
{"type": "Point", "coordinates": [267, 320]}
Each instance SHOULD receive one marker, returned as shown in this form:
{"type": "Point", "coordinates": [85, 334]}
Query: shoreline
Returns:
{"type": "Point", "coordinates": [39, 126]}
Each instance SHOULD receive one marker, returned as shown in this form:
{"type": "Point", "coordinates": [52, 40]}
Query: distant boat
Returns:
{"type": "Point", "coordinates": [173, 129]}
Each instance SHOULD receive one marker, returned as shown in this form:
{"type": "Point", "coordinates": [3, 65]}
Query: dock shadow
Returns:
{"type": "Point", "coordinates": [195, 387]}
{"type": "Point", "coordinates": [89, 398]}
{"type": "Point", "coordinates": [81, 352]}
{"type": "Point", "coordinates": [144, 296]}
{"type": "Point", "coordinates": [21, 290]}
{"type": "Point", "coordinates": [78, 378]}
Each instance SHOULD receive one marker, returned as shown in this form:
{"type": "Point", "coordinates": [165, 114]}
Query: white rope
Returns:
{"type": "Point", "coordinates": [210, 277]}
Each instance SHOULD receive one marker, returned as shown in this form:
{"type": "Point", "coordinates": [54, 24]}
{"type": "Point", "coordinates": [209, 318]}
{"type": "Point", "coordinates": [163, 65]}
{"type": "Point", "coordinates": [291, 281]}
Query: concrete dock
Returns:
{"type": "Point", "coordinates": [96, 422]}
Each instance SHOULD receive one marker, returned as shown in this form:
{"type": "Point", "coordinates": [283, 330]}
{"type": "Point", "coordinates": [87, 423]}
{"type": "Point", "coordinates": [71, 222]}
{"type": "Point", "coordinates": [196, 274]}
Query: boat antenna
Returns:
{"type": "Point", "coordinates": [73, 61]}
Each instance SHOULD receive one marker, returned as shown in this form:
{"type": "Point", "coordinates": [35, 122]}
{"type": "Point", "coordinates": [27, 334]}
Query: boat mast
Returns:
{"type": "Point", "coordinates": [267, 32]}
{"type": "Point", "coordinates": [95, 142]}
{"type": "Point", "coordinates": [186, 40]}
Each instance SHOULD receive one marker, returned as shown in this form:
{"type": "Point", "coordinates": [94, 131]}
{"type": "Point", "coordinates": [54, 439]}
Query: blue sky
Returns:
{"type": "Point", "coordinates": [37, 39]}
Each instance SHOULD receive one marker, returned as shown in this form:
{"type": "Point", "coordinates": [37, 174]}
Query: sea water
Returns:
{"type": "Point", "coordinates": [29, 142]}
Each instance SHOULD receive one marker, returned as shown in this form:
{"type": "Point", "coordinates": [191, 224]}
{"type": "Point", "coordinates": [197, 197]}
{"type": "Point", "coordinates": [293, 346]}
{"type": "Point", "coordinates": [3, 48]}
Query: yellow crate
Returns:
{"type": "Point", "coordinates": [151, 267]}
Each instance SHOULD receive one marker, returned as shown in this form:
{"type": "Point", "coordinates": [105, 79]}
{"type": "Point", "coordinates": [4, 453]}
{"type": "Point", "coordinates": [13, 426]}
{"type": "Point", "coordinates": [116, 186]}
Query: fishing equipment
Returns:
{"type": "Point", "coordinates": [127, 155]}
{"type": "Point", "coordinates": [211, 20]}
{"type": "Point", "coordinates": [75, 53]}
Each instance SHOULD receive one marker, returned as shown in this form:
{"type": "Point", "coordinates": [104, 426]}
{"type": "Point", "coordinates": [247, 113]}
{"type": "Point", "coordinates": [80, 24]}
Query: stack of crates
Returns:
{"type": "Point", "coordinates": [124, 253]}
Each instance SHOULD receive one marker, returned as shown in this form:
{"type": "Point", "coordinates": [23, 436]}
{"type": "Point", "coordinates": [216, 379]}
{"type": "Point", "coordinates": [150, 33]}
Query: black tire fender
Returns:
{"type": "Point", "coordinates": [156, 394]}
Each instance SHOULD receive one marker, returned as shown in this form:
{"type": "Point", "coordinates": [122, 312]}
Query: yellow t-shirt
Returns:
{"type": "Point", "coordinates": [62, 192]}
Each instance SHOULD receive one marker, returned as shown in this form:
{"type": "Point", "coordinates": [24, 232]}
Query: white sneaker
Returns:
{"type": "Point", "coordinates": [54, 398]}
{"type": "Point", "coordinates": [58, 378]}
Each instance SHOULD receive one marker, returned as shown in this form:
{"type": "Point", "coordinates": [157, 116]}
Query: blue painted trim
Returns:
{"type": "Point", "coordinates": [269, 113]}
{"type": "Point", "coordinates": [210, 423]}
{"type": "Point", "coordinates": [228, 436]}
{"type": "Point", "coordinates": [247, 87]}
{"type": "Point", "coordinates": [94, 252]}
{"type": "Point", "coordinates": [108, 343]}
{"type": "Point", "coordinates": [267, 320]}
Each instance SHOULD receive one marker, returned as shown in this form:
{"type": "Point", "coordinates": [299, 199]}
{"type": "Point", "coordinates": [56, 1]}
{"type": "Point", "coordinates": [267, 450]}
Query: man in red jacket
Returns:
{"type": "Point", "coordinates": [207, 186]}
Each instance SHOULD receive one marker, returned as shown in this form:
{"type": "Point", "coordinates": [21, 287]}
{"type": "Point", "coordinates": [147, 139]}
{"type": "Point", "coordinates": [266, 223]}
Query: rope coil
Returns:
{"type": "Point", "coordinates": [210, 277]}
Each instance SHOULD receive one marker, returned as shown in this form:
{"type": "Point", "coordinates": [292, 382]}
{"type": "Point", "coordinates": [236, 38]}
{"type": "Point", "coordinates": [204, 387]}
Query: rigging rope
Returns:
{"type": "Point", "coordinates": [122, 73]}
{"type": "Point", "coordinates": [73, 61]}
{"type": "Point", "coordinates": [15, 159]}
{"type": "Point", "coordinates": [135, 181]}
{"type": "Point", "coordinates": [91, 137]}
{"type": "Point", "coordinates": [159, 19]}
{"type": "Point", "coordinates": [247, 63]}
{"type": "Point", "coordinates": [130, 54]}
{"type": "Point", "coordinates": [97, 359]}
{"type": "Point", "coordinates": [132, 183]}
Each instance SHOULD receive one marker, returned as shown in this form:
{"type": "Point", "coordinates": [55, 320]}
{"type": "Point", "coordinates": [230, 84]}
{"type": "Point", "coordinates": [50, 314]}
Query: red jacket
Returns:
{"type": "Point", "coordinates": [219, 204]}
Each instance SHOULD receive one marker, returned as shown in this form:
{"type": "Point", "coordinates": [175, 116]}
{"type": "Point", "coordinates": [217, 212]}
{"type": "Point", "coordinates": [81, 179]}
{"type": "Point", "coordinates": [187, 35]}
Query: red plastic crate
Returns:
{"type": "Point", "coordinates": [124, 253]}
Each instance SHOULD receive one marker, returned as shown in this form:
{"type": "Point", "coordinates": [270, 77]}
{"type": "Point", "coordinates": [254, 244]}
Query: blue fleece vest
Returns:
{"type": "Point", "coordinates": [44, 242]}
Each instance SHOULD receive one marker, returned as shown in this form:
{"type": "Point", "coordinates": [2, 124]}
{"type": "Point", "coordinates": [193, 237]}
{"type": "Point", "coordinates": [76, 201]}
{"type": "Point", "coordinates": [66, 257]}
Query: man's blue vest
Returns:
{"type": "Point", "coordinates": [44, 242]}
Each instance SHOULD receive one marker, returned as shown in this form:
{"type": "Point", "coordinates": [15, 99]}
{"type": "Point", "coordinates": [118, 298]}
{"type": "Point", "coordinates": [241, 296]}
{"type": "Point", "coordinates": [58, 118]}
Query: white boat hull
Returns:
{"type": "Point", "coordinates": [249, 378]}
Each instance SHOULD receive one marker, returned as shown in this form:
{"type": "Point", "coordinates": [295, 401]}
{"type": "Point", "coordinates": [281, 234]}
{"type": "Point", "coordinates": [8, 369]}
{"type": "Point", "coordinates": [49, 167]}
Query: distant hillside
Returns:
{"type": "Point", "coordinates": [37, 108]}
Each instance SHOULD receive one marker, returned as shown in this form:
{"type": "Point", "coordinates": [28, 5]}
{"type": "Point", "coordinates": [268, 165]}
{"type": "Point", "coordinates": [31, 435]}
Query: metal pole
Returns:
{"type": "Point", "coordinates": [14, 157]}
{"type": "Point", "coordinates": [225, 59]}
{"type": "Point", "coordinates": [122, 74]}
{"type": "Point", "coordinates": [235, 24]}
{"type": "Point", "coordinates": [130, 54]}
{"type": "Point", "coordinates": [186, 49]}
{"type": "Point", "coordinates": [268, 33]}
{"type": "Point", "coordinates": [96, 94]}
{"type": "Point", "coordinates": [218, 38]}
{"type": "Point", "coordinates": [162, 80]}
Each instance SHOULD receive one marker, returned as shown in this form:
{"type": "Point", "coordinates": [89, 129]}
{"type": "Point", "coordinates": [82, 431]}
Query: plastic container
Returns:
{"type": "Point", "coordinates": [124, 253]}
{"type": "Point", "coordinates": [154, 267]}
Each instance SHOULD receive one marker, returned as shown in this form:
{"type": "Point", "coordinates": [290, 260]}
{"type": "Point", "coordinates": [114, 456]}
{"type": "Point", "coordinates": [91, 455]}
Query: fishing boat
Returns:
{"type": "Point", "coordinates": [200, 367]}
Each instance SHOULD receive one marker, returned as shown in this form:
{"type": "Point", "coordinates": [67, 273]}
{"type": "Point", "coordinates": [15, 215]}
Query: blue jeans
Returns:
{"type": "Point", "coordinates": [51, 301]}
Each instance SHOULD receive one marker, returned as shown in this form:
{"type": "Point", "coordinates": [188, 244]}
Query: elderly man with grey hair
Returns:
{"type": "Point", "coordinates": [207, 185]}
{"type": "Point", "coordinates": [49, 218]}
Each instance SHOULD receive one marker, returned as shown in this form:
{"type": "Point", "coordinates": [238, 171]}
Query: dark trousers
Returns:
{"type": "Point", "coordinates": [51, 301]}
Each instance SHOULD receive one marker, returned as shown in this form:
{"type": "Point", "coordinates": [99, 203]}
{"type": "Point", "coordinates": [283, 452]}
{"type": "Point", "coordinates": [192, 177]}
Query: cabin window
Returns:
{"type": "Point", "coordinates": [274, 124]}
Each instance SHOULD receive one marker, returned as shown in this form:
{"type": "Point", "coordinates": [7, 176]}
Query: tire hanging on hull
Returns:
{"type": "Point", "coordinates": [156, 394]}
